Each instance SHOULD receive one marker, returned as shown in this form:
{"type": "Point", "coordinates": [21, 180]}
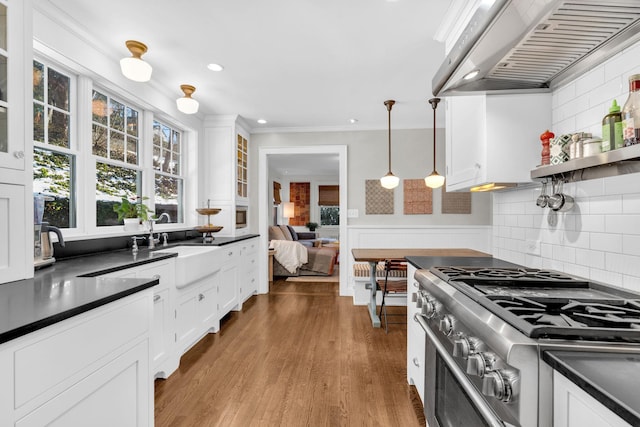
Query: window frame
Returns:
{"type": "Point", "coordinates": [74, 148]}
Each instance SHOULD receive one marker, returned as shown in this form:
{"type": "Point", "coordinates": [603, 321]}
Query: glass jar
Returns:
{"type": "Point", "coordinates": [631, 113]}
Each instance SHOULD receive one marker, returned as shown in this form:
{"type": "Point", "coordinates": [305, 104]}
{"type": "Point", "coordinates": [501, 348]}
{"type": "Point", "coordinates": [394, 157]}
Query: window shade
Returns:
{"type": "Point", "coordinates": [328, 195]}
{"type": "Point", "coordinates": [276, 193]}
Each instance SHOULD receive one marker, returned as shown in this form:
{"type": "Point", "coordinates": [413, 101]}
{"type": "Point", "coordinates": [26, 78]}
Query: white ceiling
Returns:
{"type": "Point", "coordinates": [300, 64]}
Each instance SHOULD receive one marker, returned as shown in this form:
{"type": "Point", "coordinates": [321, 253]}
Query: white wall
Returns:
{"type": "Point", "coordinates": [411, 159]}
{"type": "Point", "coordinates": [600, 237]}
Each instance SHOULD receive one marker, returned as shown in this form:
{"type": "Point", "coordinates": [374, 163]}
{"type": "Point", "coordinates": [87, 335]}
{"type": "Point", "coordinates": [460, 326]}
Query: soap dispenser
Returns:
{"type": "Point", "coordinates": [612, 128]}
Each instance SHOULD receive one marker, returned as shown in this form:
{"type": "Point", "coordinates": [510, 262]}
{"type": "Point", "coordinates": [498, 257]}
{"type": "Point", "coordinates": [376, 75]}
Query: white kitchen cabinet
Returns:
{"type": "Point", "coordinates": [196, 312]}
{"type": "Point", "coordinates": [228, 298]}
{"type": "Point", "coordinates": [164, 358]}
{"type": "Point", "coordinates": [14, 263]}
{"type": "Point", "coordinates": [225, 169]}
{"type": "Point", "coordinates": [574, 407]}
{"type": "Point", "coordinates": [494, 138]}
{"type": "Point", "coordinates": [91, 369]}
{"type": "Point", "coordinates": [16, 136]}
{"type": "Point", "coordinates": [16, 93]}
{"type": "Point", "coordinates": [416, 339]}
{"type": "Point", "coordinates": [248, 284]}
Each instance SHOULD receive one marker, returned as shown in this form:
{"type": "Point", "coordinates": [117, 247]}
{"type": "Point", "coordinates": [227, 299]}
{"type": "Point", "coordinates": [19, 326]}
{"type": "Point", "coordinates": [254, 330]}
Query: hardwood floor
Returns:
{"type": "Point", "coordinates": [298, 356]}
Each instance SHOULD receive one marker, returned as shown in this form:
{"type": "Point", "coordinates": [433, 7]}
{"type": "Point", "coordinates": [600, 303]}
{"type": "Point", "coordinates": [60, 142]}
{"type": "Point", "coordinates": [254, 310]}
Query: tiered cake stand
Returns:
{"type": "Point", "coordinates": [208, 229]}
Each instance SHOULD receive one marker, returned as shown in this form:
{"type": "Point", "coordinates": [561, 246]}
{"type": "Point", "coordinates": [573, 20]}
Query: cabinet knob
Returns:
{"type": "Point", "coordinates": [156, 277]}
{"type": "Point", "coordinates": [416, 362]}
{"type": "Point", "coordinates": [156, 298]}
{"type": "Point", "coordinates": [230, 253]}
{"type": "Point", "coordinates": [200, 297]}
{"type": "Point", "coordinates": [18, 154]}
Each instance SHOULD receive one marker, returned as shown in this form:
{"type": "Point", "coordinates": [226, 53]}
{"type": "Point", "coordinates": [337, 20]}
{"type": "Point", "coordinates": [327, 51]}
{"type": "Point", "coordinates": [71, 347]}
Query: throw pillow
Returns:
{"type": "Point", "coordinates": [286, 232]}
{"type": "Point", "coordinates": [275, 233]}
{"type": "Point", "coordinates": [294, 235]}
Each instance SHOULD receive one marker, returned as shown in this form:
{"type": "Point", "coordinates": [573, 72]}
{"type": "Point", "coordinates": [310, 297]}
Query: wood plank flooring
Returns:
{"type": "Point", "coordinates": [298, 356]}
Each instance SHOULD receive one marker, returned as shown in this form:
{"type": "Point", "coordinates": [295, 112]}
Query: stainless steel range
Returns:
{"type": "Point", "coordinates": [486, 329]}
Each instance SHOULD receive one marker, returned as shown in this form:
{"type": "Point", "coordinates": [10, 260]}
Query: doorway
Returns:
{"type": "Point", "coordinates": [267, 155]}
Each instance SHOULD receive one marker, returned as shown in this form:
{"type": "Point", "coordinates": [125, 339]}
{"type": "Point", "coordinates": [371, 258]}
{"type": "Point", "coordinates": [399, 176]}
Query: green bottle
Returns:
{"type": "Point", "coordinates": [612, 129]}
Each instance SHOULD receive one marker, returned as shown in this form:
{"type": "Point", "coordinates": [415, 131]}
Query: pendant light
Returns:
{"type": "Point", "coordinates": [389, 180]}
{"type": "Point", "coordinates": [435, 180]}
{"type": "Point", "coordinates": [133, 67]}
{"type": "Point", "coordinates": [187, 104]}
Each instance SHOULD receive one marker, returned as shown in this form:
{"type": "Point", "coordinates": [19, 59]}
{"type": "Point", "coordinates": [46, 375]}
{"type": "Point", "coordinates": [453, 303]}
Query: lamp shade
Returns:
{"type": "Point", "coordinates": [389, 181]}
{"type": "Point", "coordinates": [435, 180]}
{"type": "Point", "coordinates": [187, 104]}
{"type": "Point", "coordinates": [288, 210]}
{"type": "Point", "coordinates": [133, 67]}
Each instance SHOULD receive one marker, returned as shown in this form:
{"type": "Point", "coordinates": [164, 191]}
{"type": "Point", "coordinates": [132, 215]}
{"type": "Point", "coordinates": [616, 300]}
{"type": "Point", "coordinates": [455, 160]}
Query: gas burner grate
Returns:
{"type": "Point", "coordinates": [492, 273]}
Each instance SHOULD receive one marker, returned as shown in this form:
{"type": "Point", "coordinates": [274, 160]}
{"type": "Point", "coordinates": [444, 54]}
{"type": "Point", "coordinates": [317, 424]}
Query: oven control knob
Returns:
{"type": "Point", "coordinates": [498, 384]}
{"type": "Point", "coordinates": [480, 363]}
{"type": "Point", "coordinates": [429, 308]}
{"type": "Point", "coordinates": [446, 325]}
{"type": "Point", "coordinates": [463, 346]}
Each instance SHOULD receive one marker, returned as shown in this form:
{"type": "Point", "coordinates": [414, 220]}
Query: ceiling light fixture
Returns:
{"type": "Point", "coordinates": [187, 104]}
{"type": "Point", "coordinates": [435, 180]}
{"type": "Point", "coordinates": [215, 67]}
{"type": "Point", "coordinates": [133, 67]}
{"type": "Point", "coordinates": [261, 121]}
{"type": "Point", "coordinates": [471, 75]}
{"type": "Point", "coordinates": [353, 121]}
{"type": "Point", "coordinates": [389, 181]}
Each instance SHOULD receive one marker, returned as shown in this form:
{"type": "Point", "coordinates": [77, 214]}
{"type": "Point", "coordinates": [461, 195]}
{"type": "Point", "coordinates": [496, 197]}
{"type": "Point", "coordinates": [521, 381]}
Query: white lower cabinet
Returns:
{"type": "Point", "coordinates": [416, 339]}
{"type": "Point", "coordinates": [196, 312]}
{"type": "Point", "coordinates": [164, 358]}
{"type": "Point", "coordinates": [248, 285]}
{"type": "Point", "coordinates": [228, 285]}
{"type": "Point", "coordinates": [574, 407]}
{"type": "Point", "coordinates": [78, 372]}
{"type": "Point", "coordinates": [15, 258]}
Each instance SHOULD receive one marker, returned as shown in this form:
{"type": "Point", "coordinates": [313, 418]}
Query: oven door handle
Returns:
{"type": "Point", "coordinates": [478, 400]}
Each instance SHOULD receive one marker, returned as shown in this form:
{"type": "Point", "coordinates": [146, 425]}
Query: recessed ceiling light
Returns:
{"type": "Point", "coordinates": [262, 121]}
{"type": "Point", "coordinates": [353, 121]}
{"type": "Point", "coordinates": [215, 67]}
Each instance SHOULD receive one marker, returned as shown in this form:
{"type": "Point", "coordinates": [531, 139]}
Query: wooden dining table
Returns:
{"type": "Point", "coordinates": [374, 256]}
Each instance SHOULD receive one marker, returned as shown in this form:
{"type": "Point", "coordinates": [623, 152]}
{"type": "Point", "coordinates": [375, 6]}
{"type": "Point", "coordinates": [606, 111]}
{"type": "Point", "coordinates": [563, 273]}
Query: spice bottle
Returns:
{"type": "Point", "coordinates": [612, 128]}
{"type": "Point", "coordinates": [631, 113]}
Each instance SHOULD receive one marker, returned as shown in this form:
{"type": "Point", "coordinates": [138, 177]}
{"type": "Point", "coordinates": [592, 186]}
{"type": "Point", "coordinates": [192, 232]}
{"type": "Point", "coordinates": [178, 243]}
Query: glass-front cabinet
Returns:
{"type": "Point", "coordinates": [13, 29]}
{"type": "Point", "coordinates": [241, 178]}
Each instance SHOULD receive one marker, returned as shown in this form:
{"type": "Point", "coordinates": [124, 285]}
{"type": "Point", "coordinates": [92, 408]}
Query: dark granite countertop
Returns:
{"type": "Point", "coordinates": [610, 378]}
{"type": "Point", "coordinates": [426, 262]}
{"type": "Point", "coordinates": [69, 287]}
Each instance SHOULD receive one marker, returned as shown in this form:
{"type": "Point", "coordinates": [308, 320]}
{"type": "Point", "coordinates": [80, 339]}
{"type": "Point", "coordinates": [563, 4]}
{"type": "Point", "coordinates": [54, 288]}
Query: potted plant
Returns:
{"type": "Point", "coordinates": [312, 226]}
{"type": "Point", "coordinates": [132, 213]}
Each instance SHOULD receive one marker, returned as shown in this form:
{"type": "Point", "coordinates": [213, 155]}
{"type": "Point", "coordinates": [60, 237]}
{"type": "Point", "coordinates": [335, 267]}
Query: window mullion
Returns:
{"type": "Point", "coordinates": [86, 183]}
{"type": "Point", "coordinates": [145, 151]}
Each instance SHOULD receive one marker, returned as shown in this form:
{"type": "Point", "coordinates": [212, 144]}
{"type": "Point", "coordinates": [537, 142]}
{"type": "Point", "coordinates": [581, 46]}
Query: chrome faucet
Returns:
{"type": "Point", "coordinates": [152, 239]}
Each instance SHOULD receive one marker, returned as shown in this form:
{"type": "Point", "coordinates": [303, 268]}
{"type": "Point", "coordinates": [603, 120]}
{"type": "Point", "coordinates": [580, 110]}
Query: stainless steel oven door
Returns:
{"type": "Point", "coordinates": [451, 400]}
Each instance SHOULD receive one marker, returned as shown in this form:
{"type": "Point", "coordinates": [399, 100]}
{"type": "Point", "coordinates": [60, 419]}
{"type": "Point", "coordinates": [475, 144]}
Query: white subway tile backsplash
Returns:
{"type": "Point", "coordinates": [607, 277]}
{"type": "Point", "coordinates": [593, 223]}
{"type": "Point", "coordinates": [606, 242]}
{"type": "Point", "coordinates": [600, 237]}
{"type": "Point", "coordinates": [631, 244]}
{"type": "Point", "coordinates": [631, 203]}
{"type": "Point", "coordinates": [590, 258]}
{"type": "Point", "coordinates": [622, 224]}
{"type": "Point", "coordinates": [605, 204]}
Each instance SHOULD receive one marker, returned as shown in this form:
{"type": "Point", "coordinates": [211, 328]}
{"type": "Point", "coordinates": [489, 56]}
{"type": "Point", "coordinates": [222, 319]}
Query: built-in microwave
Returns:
{"type": "Point", "coordinates": [241, 216]}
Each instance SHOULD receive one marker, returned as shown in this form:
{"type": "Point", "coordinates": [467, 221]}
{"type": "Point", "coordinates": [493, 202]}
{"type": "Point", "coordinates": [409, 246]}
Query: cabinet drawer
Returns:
{"type": "Point", "coordinates": [46, 363]}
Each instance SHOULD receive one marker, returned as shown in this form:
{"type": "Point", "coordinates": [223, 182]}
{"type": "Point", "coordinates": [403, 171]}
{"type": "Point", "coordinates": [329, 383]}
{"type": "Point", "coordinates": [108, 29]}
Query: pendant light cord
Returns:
{"type": "Point", "coordinates": [434, 105]}
{"type": "Point", "coordinates": [389, 104]}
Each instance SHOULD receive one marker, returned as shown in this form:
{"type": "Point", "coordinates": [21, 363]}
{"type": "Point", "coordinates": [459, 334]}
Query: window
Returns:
{"type": "Point", "coordinates": [115, 142]}
{"type": "Point", "coordinates": [329, 202]}
{"type": "Point", "coordinates": [53, 153]}
{"type": "Point", "coordinates": [167, 155]}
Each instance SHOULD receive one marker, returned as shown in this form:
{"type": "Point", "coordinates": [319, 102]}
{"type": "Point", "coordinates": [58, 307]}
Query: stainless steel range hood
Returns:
{"type": "Point", "coordinates": [536, 45]}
